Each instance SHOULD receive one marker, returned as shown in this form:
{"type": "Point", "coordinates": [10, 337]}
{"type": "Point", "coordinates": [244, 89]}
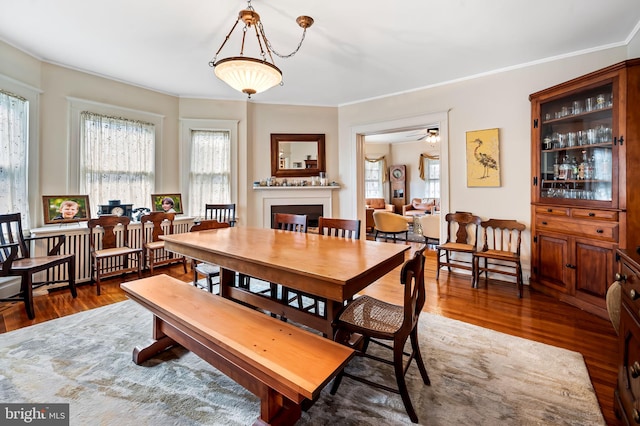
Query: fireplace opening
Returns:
{"type": "Point", "coordinates": [313, 212]}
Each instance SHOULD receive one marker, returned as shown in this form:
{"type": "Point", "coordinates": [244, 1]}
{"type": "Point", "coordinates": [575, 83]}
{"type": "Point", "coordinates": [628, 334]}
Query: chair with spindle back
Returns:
{"type": "Point", "coordinates": [152, 247]}
{"type": "Point", "coordinates": [221, 213]}
{"type": "Point", "coordinates": [345, 228]}
{"type": "Point", "coordinates": [110, 251]}
{"type": "Point", "coordinates": [500, 251]}
{"type": "Point", "coordinates": [462, 239]}
{"type": "Point", "coordinates": [207, 269]}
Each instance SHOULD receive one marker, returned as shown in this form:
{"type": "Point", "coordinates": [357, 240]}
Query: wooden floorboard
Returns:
{"type": "Point", "coordinates": [496, 306]}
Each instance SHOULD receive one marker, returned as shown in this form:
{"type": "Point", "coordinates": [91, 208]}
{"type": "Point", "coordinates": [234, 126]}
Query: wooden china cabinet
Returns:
{"type": "Point", "coordinates": [586, 183]}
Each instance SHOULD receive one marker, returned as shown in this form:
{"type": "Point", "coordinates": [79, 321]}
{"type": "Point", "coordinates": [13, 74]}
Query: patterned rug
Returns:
{"type": "Point", "coordinates": [479, 377]}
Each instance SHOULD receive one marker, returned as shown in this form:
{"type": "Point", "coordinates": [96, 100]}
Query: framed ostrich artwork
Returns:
{"type": "Point", "coordinates": [483, 158]}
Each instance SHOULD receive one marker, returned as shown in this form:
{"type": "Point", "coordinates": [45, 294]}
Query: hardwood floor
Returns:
{"type": "Point", "coordinates": [496, 306]}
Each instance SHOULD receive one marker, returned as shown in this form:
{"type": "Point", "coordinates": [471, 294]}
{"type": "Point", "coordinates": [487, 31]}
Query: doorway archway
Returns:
{"type": "Point", "coordinates": [358, 134]}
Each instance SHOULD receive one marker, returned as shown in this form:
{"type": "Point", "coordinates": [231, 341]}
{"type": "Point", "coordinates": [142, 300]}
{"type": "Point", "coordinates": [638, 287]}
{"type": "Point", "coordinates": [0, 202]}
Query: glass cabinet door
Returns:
{"type": "Point", "coordinates": [576, 146]}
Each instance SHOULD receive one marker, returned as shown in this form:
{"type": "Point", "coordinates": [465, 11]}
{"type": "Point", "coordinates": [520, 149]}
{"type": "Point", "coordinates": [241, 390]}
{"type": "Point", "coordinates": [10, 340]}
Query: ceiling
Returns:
{"type": "Point", "coordinates": [358, 50]}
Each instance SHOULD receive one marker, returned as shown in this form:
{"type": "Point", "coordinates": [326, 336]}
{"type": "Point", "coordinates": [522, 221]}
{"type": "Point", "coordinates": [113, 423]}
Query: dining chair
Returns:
{"type": "Point", "coordinates": [221, 212]}
{"type": "Point", "coordinates": [428, 226]}
{"type": "Point", "coordinates": [500, 251]}
{"type": "Point", "coordinates": [389, 326]}
{"type": "Point", "coordinates": [209, 270]}
{"type": "Point", "coordinates": [388, 223]}
{"type": "Point", "coordinates": [111, 253]}
{"type": "Point", "coordinates": [25, 266]}
{"type": "Point", "coordinates": [9, 285]}
{"type": "Point", "coordinates": [462, 238]}
{"type": "Point", "coordinates": [293, 223]}
{"type": "Point", "coordinates": [345, 228]}
{"type": "Point", "coordinates": [153, 246]}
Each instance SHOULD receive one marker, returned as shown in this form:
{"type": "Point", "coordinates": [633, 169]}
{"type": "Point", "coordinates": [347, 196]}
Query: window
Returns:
{"type": "Point", "coordinates": [210, 171]}
{"type": "Point", "coordinates": [373, 173]}
{"type": "Point", "coordinates": [14, 146]}
{"type": "Point", "coordinates": [432, 179]}
{"type": "Point", "coordinates": [117, 159]}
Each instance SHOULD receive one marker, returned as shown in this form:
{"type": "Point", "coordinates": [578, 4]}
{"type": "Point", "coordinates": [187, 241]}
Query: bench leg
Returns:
{"type": "Point", "coordinates": [161, 343]}
{"type": "Point", "coordinates": [275, 409]}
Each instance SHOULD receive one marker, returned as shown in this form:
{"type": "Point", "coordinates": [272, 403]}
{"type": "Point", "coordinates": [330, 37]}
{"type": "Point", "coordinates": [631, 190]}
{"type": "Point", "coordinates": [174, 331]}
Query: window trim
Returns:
{"type": "Point", "coordinates": [189, 124]}
{"type": "Point", "coordinates": [32, 95]}
{"type": "Point", "coordinates": [76, 106]}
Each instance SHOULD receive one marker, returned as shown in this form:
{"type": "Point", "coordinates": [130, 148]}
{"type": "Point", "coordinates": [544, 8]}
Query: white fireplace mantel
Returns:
{"type": "Point", "coordinates": [292, 195]}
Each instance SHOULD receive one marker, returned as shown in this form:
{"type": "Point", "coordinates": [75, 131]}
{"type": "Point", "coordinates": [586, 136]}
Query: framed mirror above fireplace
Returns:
{"type": "Point", "coordinates": [297, 154]}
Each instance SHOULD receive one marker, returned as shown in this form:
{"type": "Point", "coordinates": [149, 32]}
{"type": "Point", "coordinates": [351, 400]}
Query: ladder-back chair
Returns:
{"type": "Point", "coordinates": [111, 253]}
{"type": "Point", "coordinates": [26, 266]}
{"type": "Point", "coordinates": [500, 251]}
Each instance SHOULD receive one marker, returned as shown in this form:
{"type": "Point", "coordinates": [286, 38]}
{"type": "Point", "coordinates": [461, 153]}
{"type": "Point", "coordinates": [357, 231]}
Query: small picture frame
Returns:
{"type": "Point", "coordinates": [170, 203]}
{"type": "Point", "coordinates": [65, 208]}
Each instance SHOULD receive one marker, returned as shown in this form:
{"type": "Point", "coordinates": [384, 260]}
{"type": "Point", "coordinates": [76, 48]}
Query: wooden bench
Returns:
{"type": "Point", "coordinates": [282, 364]}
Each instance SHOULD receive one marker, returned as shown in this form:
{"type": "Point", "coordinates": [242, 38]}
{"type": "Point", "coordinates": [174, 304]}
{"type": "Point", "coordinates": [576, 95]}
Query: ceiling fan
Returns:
{"type": "Point", "coordinates": [432, 135]}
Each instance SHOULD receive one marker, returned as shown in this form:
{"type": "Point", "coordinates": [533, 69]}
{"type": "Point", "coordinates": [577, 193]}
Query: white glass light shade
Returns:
{"type": "Point", "coordinates": [248, 75]}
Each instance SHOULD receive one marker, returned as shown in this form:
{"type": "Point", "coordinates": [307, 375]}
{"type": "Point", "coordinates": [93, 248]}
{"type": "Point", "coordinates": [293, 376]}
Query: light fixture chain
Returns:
{"type": "Point", "coordinates": [270, 47]}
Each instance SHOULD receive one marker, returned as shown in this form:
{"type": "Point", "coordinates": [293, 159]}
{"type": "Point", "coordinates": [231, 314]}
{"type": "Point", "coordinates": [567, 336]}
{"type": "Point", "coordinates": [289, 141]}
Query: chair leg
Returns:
{"type": "Point", "coordinates": [475, 274]}
{"type": "Point", "coordinates": [519, 279]}
{"type": "Point", "coordinates": [184, 264]}
{"type": "Point", "coordinates": [398, 366]}
{"type": "Point", "coordinates": [195, 273]}
{"type": "Point", "coordinates": [418, 357]}
{"type": "Point", "coordinates": [98, 269]}
{"type": "Point", "coordinates": [71, 274]}
{"type": "Point", "coordinates": [27, 290]}
{"type": "Point", "coordinates": [139, 265]}
{"type": "Point", "coordinates": [438, 265]}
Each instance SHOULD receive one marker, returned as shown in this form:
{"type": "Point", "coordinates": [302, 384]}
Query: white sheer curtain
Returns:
{"type": "Point", "coordinates": [374, 177]}
{"type": "Point", "coordinates": [14, 144]}
{"type": "Point", "coordinates": [117, 160]}
{"type": "Point", "coordinates": [210, 169]}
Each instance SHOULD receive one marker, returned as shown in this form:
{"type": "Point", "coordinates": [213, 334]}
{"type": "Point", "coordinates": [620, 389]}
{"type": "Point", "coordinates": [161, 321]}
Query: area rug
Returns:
{"type": "Point", "coordinates": [478, 377]}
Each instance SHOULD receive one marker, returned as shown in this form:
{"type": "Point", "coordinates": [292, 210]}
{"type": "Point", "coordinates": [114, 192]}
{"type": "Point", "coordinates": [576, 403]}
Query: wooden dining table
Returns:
{"type": "Point", "coordinates": [331, 268]}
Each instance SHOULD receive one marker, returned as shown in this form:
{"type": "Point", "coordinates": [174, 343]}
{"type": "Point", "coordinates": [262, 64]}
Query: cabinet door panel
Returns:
{"type": "Point", "coordinates": [553, 254]}
{"type": "Point", "coordinates": [628, 377]}
{"type": "Point", "coordinates": [594, 268]}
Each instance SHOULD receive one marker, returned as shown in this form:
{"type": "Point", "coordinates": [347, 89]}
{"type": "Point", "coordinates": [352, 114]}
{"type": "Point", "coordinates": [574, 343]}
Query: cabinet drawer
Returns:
{"type": "Point", "coordinates": [607, 231]}
{"type": "Point", "coordinates": [594, 214]}
{"type": "Point", "coordinates": [554, 211]}
{"type": "Point", "coordinates": [631, 288]}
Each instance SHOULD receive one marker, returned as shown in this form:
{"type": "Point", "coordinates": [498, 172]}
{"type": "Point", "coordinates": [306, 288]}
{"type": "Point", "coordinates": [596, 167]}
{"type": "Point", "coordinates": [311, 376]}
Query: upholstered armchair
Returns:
{"type": "Point", "coordinates": [372, 205]}
{"type": "Point", "coordinates": [378, 204]}
{"type": "Point", "coordinates": [420, 206]}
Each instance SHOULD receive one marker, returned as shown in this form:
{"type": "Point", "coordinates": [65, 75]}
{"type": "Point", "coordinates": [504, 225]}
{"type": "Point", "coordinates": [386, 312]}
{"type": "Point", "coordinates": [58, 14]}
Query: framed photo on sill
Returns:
{"type": "Point", "coordinates": [483, 158]}
{"type": "Point", "coordinates": [65, 208]}
{"type": "Point", "coordinates": [169, 203]}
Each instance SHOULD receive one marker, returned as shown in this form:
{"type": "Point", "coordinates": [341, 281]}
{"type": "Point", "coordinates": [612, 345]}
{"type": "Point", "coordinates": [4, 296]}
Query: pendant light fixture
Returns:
{"type": "Point", "coordinates": [253, 75]}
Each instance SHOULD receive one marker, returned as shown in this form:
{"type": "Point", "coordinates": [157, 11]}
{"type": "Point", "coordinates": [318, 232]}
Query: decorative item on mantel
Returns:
{"type": "Point", "coordinates": [313, 182]}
